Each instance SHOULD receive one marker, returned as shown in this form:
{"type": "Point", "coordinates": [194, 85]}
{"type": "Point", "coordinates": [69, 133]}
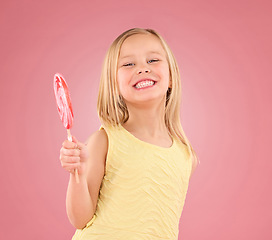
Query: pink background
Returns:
{"type": "Point", "coordinates": [224, 52]}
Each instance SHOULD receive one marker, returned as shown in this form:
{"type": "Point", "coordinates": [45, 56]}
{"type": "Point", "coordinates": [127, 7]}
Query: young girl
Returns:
{"type": "Point", "coordinates": [134, 171]}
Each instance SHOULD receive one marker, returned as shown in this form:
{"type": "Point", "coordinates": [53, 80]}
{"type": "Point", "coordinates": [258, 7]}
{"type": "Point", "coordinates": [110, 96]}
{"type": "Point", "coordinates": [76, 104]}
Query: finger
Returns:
{"type": "Point", "coordinates": [71, 166]}
{"type": "Point", "coordinates": [69, 160]}
{"type": "Point", "coordinates": [70, 169]}
{"type": "Point", "coordinates": [70, 152]}
{"type": "Point", "coordinates": [68, 144]}
{"type": "Point", "coordinates": [79, 144]}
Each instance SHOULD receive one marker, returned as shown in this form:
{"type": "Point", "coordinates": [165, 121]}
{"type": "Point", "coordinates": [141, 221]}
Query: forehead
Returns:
{"type": "Point", "coordinates": [141, 43]}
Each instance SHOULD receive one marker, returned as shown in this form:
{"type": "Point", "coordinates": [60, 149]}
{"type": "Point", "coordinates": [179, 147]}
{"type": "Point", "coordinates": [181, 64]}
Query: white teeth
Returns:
{"type": "Point", "coordinates": [144, 84]}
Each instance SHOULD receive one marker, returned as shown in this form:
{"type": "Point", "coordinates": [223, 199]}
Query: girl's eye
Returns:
{"type": "Point", "coordinates": [153, 60]}
{"type": "Point", "coordinates": [128, 64]}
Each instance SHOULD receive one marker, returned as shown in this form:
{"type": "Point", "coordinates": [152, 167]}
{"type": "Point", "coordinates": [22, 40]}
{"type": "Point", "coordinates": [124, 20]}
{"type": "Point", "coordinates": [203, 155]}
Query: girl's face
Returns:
{"type": "Point", "coordinates": [143, 70]}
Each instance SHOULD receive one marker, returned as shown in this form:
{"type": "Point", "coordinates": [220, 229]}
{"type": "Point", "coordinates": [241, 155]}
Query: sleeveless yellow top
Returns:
{"type": "Point", "coordinates": [143, 190]}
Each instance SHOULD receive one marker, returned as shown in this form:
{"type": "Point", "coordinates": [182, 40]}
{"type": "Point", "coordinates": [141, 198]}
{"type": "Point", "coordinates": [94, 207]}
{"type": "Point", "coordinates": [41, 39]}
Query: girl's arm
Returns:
{"type": "Point", "coordinates": [81, 199]}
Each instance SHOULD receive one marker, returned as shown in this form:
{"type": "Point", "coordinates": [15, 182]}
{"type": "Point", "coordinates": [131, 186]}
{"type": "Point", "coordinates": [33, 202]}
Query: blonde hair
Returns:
{"type": "Point", "coordinates": [112, 109]}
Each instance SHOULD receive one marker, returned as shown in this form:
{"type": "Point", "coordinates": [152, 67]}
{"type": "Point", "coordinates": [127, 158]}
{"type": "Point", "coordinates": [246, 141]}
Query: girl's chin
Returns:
{"type": "Point", "coordinates": [146, 100]}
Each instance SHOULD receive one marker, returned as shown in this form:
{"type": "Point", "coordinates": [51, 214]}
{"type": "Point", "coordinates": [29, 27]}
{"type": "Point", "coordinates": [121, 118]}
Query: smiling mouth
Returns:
{"type": "Point", "coordinates": [143, 84]}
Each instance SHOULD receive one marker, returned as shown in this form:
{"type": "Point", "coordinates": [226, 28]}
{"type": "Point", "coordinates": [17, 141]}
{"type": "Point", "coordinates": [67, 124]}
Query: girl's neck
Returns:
{"type": "Point", "coordinates": [148, 121]}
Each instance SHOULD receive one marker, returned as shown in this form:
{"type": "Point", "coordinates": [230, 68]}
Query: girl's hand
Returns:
{"type": "Point", "coordinates": [73, 155]}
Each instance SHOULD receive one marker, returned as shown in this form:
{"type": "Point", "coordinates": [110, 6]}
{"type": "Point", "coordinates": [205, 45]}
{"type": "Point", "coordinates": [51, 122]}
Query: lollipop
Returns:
{"type": "Point", "coordinates": [64, 106]}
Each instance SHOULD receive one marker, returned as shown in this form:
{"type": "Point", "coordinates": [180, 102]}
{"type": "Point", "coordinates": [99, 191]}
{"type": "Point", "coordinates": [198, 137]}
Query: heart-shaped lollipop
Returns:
{"type": "Point", "coordinates": [64, 106]}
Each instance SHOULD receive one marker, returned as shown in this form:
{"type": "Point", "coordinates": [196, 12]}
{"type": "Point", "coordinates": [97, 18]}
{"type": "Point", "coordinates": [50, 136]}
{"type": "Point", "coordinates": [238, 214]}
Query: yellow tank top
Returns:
{"type": "Point", "coordinates": [143, 190]}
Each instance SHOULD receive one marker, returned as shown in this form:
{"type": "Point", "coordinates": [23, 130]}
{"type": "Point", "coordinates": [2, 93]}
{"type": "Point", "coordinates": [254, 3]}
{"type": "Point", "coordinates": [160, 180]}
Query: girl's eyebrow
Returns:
{"type": "Point", "coordinates": [151, 52]}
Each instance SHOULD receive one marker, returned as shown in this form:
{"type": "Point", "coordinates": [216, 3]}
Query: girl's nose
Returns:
{"type": "Point", "coordinates": [143, 70]}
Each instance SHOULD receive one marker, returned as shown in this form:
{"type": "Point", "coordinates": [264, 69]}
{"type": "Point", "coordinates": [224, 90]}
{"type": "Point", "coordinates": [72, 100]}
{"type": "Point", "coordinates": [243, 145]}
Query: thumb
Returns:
{"type": "Point", "coordinates": [74, 139]}
{"type": "Point", "coordinates": [79, 144]}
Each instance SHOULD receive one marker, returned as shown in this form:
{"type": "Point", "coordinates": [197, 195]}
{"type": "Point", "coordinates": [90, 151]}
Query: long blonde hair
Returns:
{"type": "Point", "coordinates": [112, 109]}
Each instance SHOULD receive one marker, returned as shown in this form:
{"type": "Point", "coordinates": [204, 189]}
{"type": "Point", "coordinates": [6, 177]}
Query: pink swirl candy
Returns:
{"type": "Point", "coordinates": [63, 101]}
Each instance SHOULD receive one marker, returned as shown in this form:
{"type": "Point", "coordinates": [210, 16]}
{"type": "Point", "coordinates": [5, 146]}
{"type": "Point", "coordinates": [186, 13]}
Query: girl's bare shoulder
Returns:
{"type": "Point", "coordinates": [98, 142]}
